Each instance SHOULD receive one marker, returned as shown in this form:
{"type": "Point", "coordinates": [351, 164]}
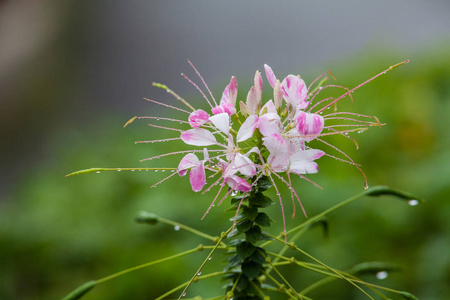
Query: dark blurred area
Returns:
{"type": "Point", "coordinates": [73, 73]}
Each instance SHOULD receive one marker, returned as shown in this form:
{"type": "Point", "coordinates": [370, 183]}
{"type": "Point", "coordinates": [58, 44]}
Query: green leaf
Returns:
{"type": "Point", "coordinates": [236, 199]}
{"type": "Point", "coordinates": [244, 225]}
{"type": "Point", "coordinates": [408, 296]}
{"type": "Point", "coordinates": [245, 249]}
{"type": "Point", "coordinates": [147, 218]}
{"type": "Point", "coordinates": [258, 256]}
{"type": "Point", "coordinates": [233, 261]}
{"type": "Point", "coordinates": [261, 200]}
{"type": "Point", "coordinates": [262, 219]}
{"type": "Point", "coordinates": [264, 183]}
{"type": "Point", "coordinates": [374, 267]}
{"type": "Point", "coordinates": [251, 269]}
{"type": "Point", "coordinates": [253, 235]}
{"type": "Point", "coordinates": [385, 190]}
{"type": "Point", "coordinates": [80, 291]}
{"type": "Point", "coordinates": [242, 283]}
{"type": "Point", "coordinates": [250, 212]}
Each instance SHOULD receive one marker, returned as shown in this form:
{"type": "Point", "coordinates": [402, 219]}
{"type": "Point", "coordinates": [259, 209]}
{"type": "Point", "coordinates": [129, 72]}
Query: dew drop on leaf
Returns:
{"type": "Point", "coordinates": [381, 275]}
{"type": "Point", "coordinates": [413, 202]}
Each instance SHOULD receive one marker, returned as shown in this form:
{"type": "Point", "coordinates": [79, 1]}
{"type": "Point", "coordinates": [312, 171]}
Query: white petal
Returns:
{"type": "Point", "coordinates": [302, 162]}
{"type": "Point", "coordinates": [252, 101]}
{"type": "Point", "coordinates": [247, 128]}
{"type": "Point", "coordinates": [244, 165]}
{"type": "Point", "coordinates": [198, 137]}
{"type": "Point", "coordinates": [269, 124]}
{"type": "Point", "coordinates": [222, 122]}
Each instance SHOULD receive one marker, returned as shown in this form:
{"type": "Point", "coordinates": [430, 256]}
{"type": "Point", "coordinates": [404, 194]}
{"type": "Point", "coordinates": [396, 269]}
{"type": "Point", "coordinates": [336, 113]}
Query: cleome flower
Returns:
{"type": "Point", "coordinates": [241, 143]}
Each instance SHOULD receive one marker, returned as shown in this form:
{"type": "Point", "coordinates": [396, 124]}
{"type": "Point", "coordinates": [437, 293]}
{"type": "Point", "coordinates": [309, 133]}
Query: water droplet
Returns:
{"type": "Point", "coordinates": [366, 186]}
{"type": "Point", "coordinates": [199, 273]}
{"type": "Point", "coordinates": [172, 171]}
{"type": "Point", "coordinates": [156, 170]}
{"type": "Point", "coordinates": [118, 170]}
{"type": "Point", "coordinates": [176, 228]}
{"type": "Point", "coordinates": [212, 205]}
{"type": "Point", "coordinates": [413, 202]}
{"type": "Point", "coordinates": [381, 275]}
{"type": "Point", "coordinates": [157, 119]}
{"type": "Point", "coordinates": [98, 172]}
{"type": "Point", "coordinates": [163, 170]}
{"type": "Point", "coordinates": [210, 258]}
{"type": "Point", "coordinates": [132, 170]}
{"type": "Point", "coordinates": [184, 294]}
{"type": "Point", "coordinates": [146, 170]}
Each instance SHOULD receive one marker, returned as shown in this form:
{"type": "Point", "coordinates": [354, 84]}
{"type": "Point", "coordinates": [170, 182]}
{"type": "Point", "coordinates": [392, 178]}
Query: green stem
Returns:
{"type": "Point", "coordinates": [199, 248]}
{"type": "Point", "coordinates": [222, 236]}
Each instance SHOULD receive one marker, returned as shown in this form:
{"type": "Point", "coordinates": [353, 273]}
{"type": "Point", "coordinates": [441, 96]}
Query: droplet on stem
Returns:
{"type": "Point", "coordinates": [176, 228]}
{"type": "Point", "coordinates": [381, 275]}
{"type": "Point", "coordinates": [413, 202]}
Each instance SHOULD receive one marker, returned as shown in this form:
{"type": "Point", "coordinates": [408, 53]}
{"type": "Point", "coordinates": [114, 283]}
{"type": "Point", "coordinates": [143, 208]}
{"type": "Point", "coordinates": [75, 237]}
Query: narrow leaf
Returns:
{"type": "Point", "coordinates": [80, 291]}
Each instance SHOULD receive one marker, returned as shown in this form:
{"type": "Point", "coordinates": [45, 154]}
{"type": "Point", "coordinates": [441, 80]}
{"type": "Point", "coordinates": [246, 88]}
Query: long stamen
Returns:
{"type": "Point", "coordinates": [157, 141]}
{"type": "Point", "coordinates": [212, 203]}
{"type": "Point", "coordinates": [366, 186]}
{"type": "Point", "coordinates": [237, 211]}
{"type": "Point", "coordinates": [167, 105]}
{"type": "Point", "coordinates": [156, 184]}
{"type": "Point", "coordinates": [171, 153]}
{"type": "Point", "coordinates": [196, 86]}
{"type": "Point", "coordinates": [203, 81]}
{"type": "Point", "coordinates": [364, 83]}
{"type": "Point", "coordinates": [281, 204]}
{"type": "Point", "coordinates": [167, 128]}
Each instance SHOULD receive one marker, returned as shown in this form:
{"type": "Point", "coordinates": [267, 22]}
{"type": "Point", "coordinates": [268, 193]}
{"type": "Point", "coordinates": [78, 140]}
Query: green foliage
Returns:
{"type": "Point", "coordinates": [57, 233]}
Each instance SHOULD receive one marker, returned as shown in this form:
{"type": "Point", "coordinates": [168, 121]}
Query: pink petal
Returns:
{"type": "Point", "coordinates": [197, 177]}
{"type": "Point", "coordinates": [222, 122]}
{"type": "Point", "coordinates": [269, 107]}
{"type": "Point", "coordinates": [269, 124]}
{"type": "Point", "coordinates": [270, 75]}
{"type": "Point", "coordinates": [278, 163]}
{"type": "Point", "coordinates": [278, 95]}
{"type": "Point", "coordinates": [238, 184]}
{"type": "Point", "coordinates": [295, 91]}
{"type": "Point", "coordinates": [247, 128]}
{"type": "Point", "coordinates": [309, 124]}
{"type": "Point", "coordinates": [233, 90]}
{"type": "Point", "coordinates": [198, 137]}
{"type": "Point", "coordinates": [190, 160]}
{"type": "Point", "coordinates": [244, 165]}
{"type": "Point", "coordinates": [252, 101]}
{"type": "Point", "coordinates": [198, 118]}
{"type": "Point", "coordinates": [276, 144]}
{"type": "Point", "coordinates": [224, 108]}
{"type": "Point", "coordinates": [258, 83]}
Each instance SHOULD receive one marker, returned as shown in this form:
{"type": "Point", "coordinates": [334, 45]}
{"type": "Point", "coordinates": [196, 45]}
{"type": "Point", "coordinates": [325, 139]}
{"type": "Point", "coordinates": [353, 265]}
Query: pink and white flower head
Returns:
{"type": "Point", "coordinates": [265, 138]}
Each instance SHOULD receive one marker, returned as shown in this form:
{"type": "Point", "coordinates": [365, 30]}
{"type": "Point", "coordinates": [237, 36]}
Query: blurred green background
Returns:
{"type": "Point", "coordinates": [57, 233]}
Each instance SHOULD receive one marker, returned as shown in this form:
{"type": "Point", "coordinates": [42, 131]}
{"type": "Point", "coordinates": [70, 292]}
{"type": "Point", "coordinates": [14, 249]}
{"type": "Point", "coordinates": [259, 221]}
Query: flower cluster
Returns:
{"type": "Point", "coordinates": [241, 141]}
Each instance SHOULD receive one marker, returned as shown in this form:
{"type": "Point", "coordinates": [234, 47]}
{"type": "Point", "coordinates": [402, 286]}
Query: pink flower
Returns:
{"type": "Point", "coordinates": [228, 101]}
{"type": "Point", "coordinates": [308, 125]}
{"type": "Point", "coordinates": [198, 118]}
{"type": "Point", "coordinates": [197, 176]}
